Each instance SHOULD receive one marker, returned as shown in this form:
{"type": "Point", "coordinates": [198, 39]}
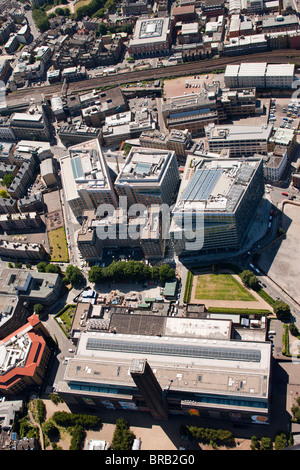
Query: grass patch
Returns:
{"type": "Point", "coordinates": [65, 317]}
{"type": "Point", "coordinates": [221, 287]}
{"type": "Point", "coordinates": [58, 245]}
{"type": "Point", "coordinates": [81, 4]}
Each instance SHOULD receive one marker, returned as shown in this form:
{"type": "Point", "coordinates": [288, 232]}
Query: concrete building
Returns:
{"type": "Point", "coordinates": [48, 172]}
{"type": "Point", "coordinates": [280, 23]}
{"type": "Point", "coordinates": [32, 203]}
{"type": "Point", "coordinates": [240, 140]}
{"type": "Point", "coordinates": [283, 137]}
{"type": "Point", "coordinates": [22, 251]}
{"type": "Point", "coordinates": [150, 176]}
{"type": "Point", "coordinates": [25, 355]}
{"type": "Point", "coordinates": [211, 105]}
{"type": "Point", "coordinates": [31, 286]}
{"type": "Point", "coordinates": [25, 150]}
{"type": "Point", "coordinates": [22, 180]}
{"type": "Point", "coordinates": [86, 179]}
{"type": "Point", "coordinates": [215, 204]}
{"type": "Point", "coordinates": [20, 222]}
{"type": "Point", "coordinates": [176, 140]}
{"type": "Point", "coordinates": [275, 163]}
{"type": "Point", "coordinates": [31, 125]}
{"type": "Point", "coordinates": [151, 36]}
{"type": "Point", "coordinates": [128, 371]}
{"type": "Point", "coordinates": [122, 230]}
{"type": "Point", "coordinates": [13, 314]}
{"type": "Point", "coordinates": [259, 75]}
{"type": "Point", "coordinates": [72, 134]}
{"type": "Point", "coordinates": [123, 126]}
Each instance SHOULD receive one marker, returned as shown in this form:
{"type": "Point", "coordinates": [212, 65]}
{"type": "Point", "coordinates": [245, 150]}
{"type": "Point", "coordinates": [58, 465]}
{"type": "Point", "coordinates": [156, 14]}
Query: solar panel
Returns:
{"type": "Point", "coordinates": [77, 167]}
{"type": "Point", "coordinates": [201, 185]}
{"type": "Point", "coordinates": [213, 352]}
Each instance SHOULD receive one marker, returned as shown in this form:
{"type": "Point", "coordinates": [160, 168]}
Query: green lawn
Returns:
{"type": "Point", "coordinates": [221, 287]}
{"type": "Point", "coordinates": [66, 317]}
{"type": "Point", "coordinates": [58, 245]}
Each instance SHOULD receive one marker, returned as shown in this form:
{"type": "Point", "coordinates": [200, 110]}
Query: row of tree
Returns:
{"type": "Point", "coordinates": [130, 271]}
{"type": "Point", "coordinates": [280, 308]}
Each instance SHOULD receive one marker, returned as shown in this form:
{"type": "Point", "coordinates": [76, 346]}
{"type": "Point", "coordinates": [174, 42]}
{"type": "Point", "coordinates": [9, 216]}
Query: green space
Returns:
{"type": "Point", "coordinates": [221, 287]}
{"type": "Point", "coordinates": [58, 245]}
{"type": "Point", "coordinates": [65, 317]}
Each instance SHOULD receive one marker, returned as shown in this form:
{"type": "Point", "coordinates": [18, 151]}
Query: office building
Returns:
{"type": "Point", "coordinates": [283, 137]}
{"type": "Point", "coordinates": [177, 140]}
{"type": "Point", "coordinates": [121, 230]}
{"type": "Point", "coordinates": [48, 172]}
{"type": "Point", "coordinates": [20, 222]}
{"type": "Point", "coordinates": [86, 178]}
{"type": "Point", "coordinates": [32, 125]}
{"type": "Point", "coordinates": [22, 180]}
{"type": "Point", "coordinates": [31, 286]}
{"type": "Point", "coordinates": [240, 140]}
{"type": "Point", "coordinates": [170, 374]}
{"type": "Point", "coordinates": [22, 251]}
{"type": "Point", "coordinates": [32, 203]}
{"type": "Point", "coordinates": [25, 355]}
{"type": "Point", "coordinates": [120, 127]}
{"type": "Point", "coordinates": [259, 75]}
{"type": "Point", "coordinates": [215, 204]}
{"type": "Point", "coordinates": [13, 314]}
{"type": "Point", "coordinates": [275, 164]}
{"type": "Point", "coordinates": [151, 36]}
{"type": "Point", "coordinates": [150, 176]}
{"type": "Point", "coordinates": [72, 134]}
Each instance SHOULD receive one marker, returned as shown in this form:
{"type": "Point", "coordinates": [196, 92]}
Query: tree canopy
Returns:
{"type": "Point", "coordinates": [130, 271]}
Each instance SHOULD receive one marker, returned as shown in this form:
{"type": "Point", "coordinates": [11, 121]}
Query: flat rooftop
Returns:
{"type": "Point", "coordinates": [145, 165]}
{"type": "Point", "coordinates": [84, 168]}
{"type": "Point", "coordinates": [214, 185]}
{"type": "Point", "coordinates": [198, 365]}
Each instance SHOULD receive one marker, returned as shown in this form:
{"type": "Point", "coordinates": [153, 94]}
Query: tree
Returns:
{"type": "Point", "coordinates": [52, 268]}
{"type": "Point", "coordinates": [281, 441]}
{"type": "Point", "coordinates": [266, 443]}
{"type": "Point", "coordinates": [254, 443]}
{"type": "Point", "coordinates": [41, 267]}
{"type": "Point", "coordinates": [7, 179]}
{"type": "Point", "coordinates": [294, 330]}
{"type": "Point", "coordinates": [38, 309]}
{"type": "Point", "coordinates": [50, 429]}
{"type": "Point", "coordinates": [282, 310]}
{"type": "Point", "coordinates": [249, 279]}
{"type": "Point", "coordinates": [95, 274]}
{"type": "Point", "coordinates": [74, 274]}
{"type": "Point", "coordinates": [166, 273]}
{"type": "Point", "coordinates": [3, 194]}
{"type": "Point", "coordinates": [123, 437]}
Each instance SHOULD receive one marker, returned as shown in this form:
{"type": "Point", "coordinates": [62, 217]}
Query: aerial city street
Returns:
{"type": "Point", "coordinates": [149, 226]}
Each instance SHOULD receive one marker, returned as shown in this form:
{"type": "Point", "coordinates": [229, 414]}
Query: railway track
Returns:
{"type": "Point", "coordinates": [189, 68]}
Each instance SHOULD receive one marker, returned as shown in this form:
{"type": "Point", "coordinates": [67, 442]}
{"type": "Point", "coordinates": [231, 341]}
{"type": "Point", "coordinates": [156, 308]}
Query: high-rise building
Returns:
{"type": "Point", "coordinates": [215, 204]}
{"type": "Point", "coordinates": [86, 179]}
{"type": "Point", "coordinates": [150, 176]}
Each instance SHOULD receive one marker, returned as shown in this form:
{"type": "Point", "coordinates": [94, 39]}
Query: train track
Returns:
{"type": "Point", "coordinates": [189, 68]}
